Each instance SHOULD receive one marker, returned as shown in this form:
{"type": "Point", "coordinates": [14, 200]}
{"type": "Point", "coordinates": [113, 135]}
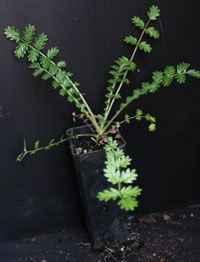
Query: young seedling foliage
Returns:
{"type": "Point", "coordinates": [121, 177]}
{"type": "Point", "coordinates": [44, 64]}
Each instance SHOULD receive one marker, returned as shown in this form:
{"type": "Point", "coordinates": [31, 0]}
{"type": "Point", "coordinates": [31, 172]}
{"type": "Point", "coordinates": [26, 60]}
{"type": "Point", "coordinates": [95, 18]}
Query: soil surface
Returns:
{"type": "Point", "coordinates": [84, 144]}
{"type": "Point", "coordinates": [168, 236]}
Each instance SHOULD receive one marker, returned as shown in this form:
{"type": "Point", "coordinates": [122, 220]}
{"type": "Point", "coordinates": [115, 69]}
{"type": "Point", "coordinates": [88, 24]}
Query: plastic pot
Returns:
{"type": "Point", "coordinates": [106, 222]}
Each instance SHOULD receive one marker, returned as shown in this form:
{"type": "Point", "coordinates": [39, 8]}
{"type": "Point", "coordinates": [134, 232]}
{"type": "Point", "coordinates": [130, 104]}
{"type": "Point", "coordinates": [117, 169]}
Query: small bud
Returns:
{"type": "Point", "coordinates": [81, 116]}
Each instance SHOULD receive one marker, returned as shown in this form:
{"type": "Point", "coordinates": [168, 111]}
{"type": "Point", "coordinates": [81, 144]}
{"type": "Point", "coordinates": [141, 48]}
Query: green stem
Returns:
{"type": "Point", "coordinates": [119, 187]}
{"type": "Point", "coordinates": [118, 112]}
{"type": "Point", "coordinates": [131, 118]}
{"type": "Point", "coordinates": [26, 152]}
{"type": "Point", "coordinates": [89, 112]}
{"type": "Point", "coordinates": [109, 107]}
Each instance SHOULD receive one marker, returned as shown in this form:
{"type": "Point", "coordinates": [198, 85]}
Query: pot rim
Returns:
{"type": "Point", "coordinates": [70, 130]}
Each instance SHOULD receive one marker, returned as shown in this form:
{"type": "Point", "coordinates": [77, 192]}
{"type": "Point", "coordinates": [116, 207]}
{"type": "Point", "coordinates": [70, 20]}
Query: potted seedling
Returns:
{"type": "Point", "coordinates": [97, 147]}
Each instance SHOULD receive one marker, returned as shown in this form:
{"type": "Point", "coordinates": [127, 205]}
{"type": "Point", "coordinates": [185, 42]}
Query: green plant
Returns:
{"type": "Point", "coordinates": [44, 65]}
{"type": "Point", "coordinates": [103, 126]}
{"type": "Point", "coordinates": [121, 178]}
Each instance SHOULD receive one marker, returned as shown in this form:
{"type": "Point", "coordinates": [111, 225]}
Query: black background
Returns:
{"type": "Point", "coordinates": [40, 194]}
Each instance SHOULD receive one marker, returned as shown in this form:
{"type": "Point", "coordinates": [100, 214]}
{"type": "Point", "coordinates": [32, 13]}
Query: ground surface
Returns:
{"type": "Point", "coordinates": [169, 236]}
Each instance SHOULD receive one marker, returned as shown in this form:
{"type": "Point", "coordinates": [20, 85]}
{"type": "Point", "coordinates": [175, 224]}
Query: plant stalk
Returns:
{"type": "Point", "coordinates": [90, 114]}
{"type": "Point", "coordinates": [26, 152]}
{"type": "Point", "coordinates": [126, 73]}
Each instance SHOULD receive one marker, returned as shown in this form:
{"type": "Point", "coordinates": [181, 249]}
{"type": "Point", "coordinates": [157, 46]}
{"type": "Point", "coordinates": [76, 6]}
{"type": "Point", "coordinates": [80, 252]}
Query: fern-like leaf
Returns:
{"type": "Point", "coordinates": [193, 73]}
{"type": "Point", "coordinates": [45, 62]}
{"type": "Point", "coordinates": [121, 65]}
{"type": "Point", "coordinates": [62, 64]}
{"type": "Point", "coordinates": [153, 13]}
{"type": "Point", "coordinates": [53, 52]}
{"type": "Point", "coordinates": [138, 22]}
{"type": "Point", "coordinates": [130, 40]}
{"type": "Point", "coordinates": [21, 49]}
{"type": "Point", "coordinates": [144, 46]}
{"type": "Point", "coordinates": [152, 32]}
{"type": "Point", "coordinates": [182, 67]}
{"type": "Point", "coordinates": [33, 55]}
{"type": "Point", "coordinates": [12, 33]}
{"type": "Point", "coordinates": [44, 66]}
{"type": "Point", "coordinates": [29, 33]}
{"type": "Point", "coordinates": [117, 173]}
{"type": "Point", "coordinates": [40, 42]}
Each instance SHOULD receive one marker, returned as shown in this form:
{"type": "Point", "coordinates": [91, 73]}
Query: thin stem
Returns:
{"type": "Point", "coordinates": [118, 112]}
{"type": "Point", "coordinates": [90, 115]}
{"type": "Point", "coordinates": [108, 110]}
{"type": "Point", "coordinates": [75, 99]}
{"type": "Point", "coordinates": [89, 126]}
{"type": "Point", "coordinates": [119, 187]}
{"type": "Point", "coordinates": [26, 152]}
{"type": "Point", "coordinates": [130, 118]}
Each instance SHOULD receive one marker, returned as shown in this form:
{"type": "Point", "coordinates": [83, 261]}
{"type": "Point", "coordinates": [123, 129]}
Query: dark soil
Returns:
{"type": "Point", "coordinates": [168, 236]}
{"type": "Point", "coordinates": [82, 142]}
{"type": "Point", "coordinates": [83, 145]}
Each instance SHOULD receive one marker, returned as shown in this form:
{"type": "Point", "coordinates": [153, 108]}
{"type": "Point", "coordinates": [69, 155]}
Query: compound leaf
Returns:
{"type": "Point", "coordinates": [108, 194]}
{"type": "Point", "coordinates": [138, 22]}
{"type": "Point", "coordinates": [29, 33]}
{"type": "Point", "coordinates": [153, 13]}
{"type": "Point", "coordinates": [144, 46]}
{"type": "Point", "coordinates": [41, 41]}
{"type": "Point", "coordinates": [12, 33]}
{"type": "Point", "coordinates": [152, 32]}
